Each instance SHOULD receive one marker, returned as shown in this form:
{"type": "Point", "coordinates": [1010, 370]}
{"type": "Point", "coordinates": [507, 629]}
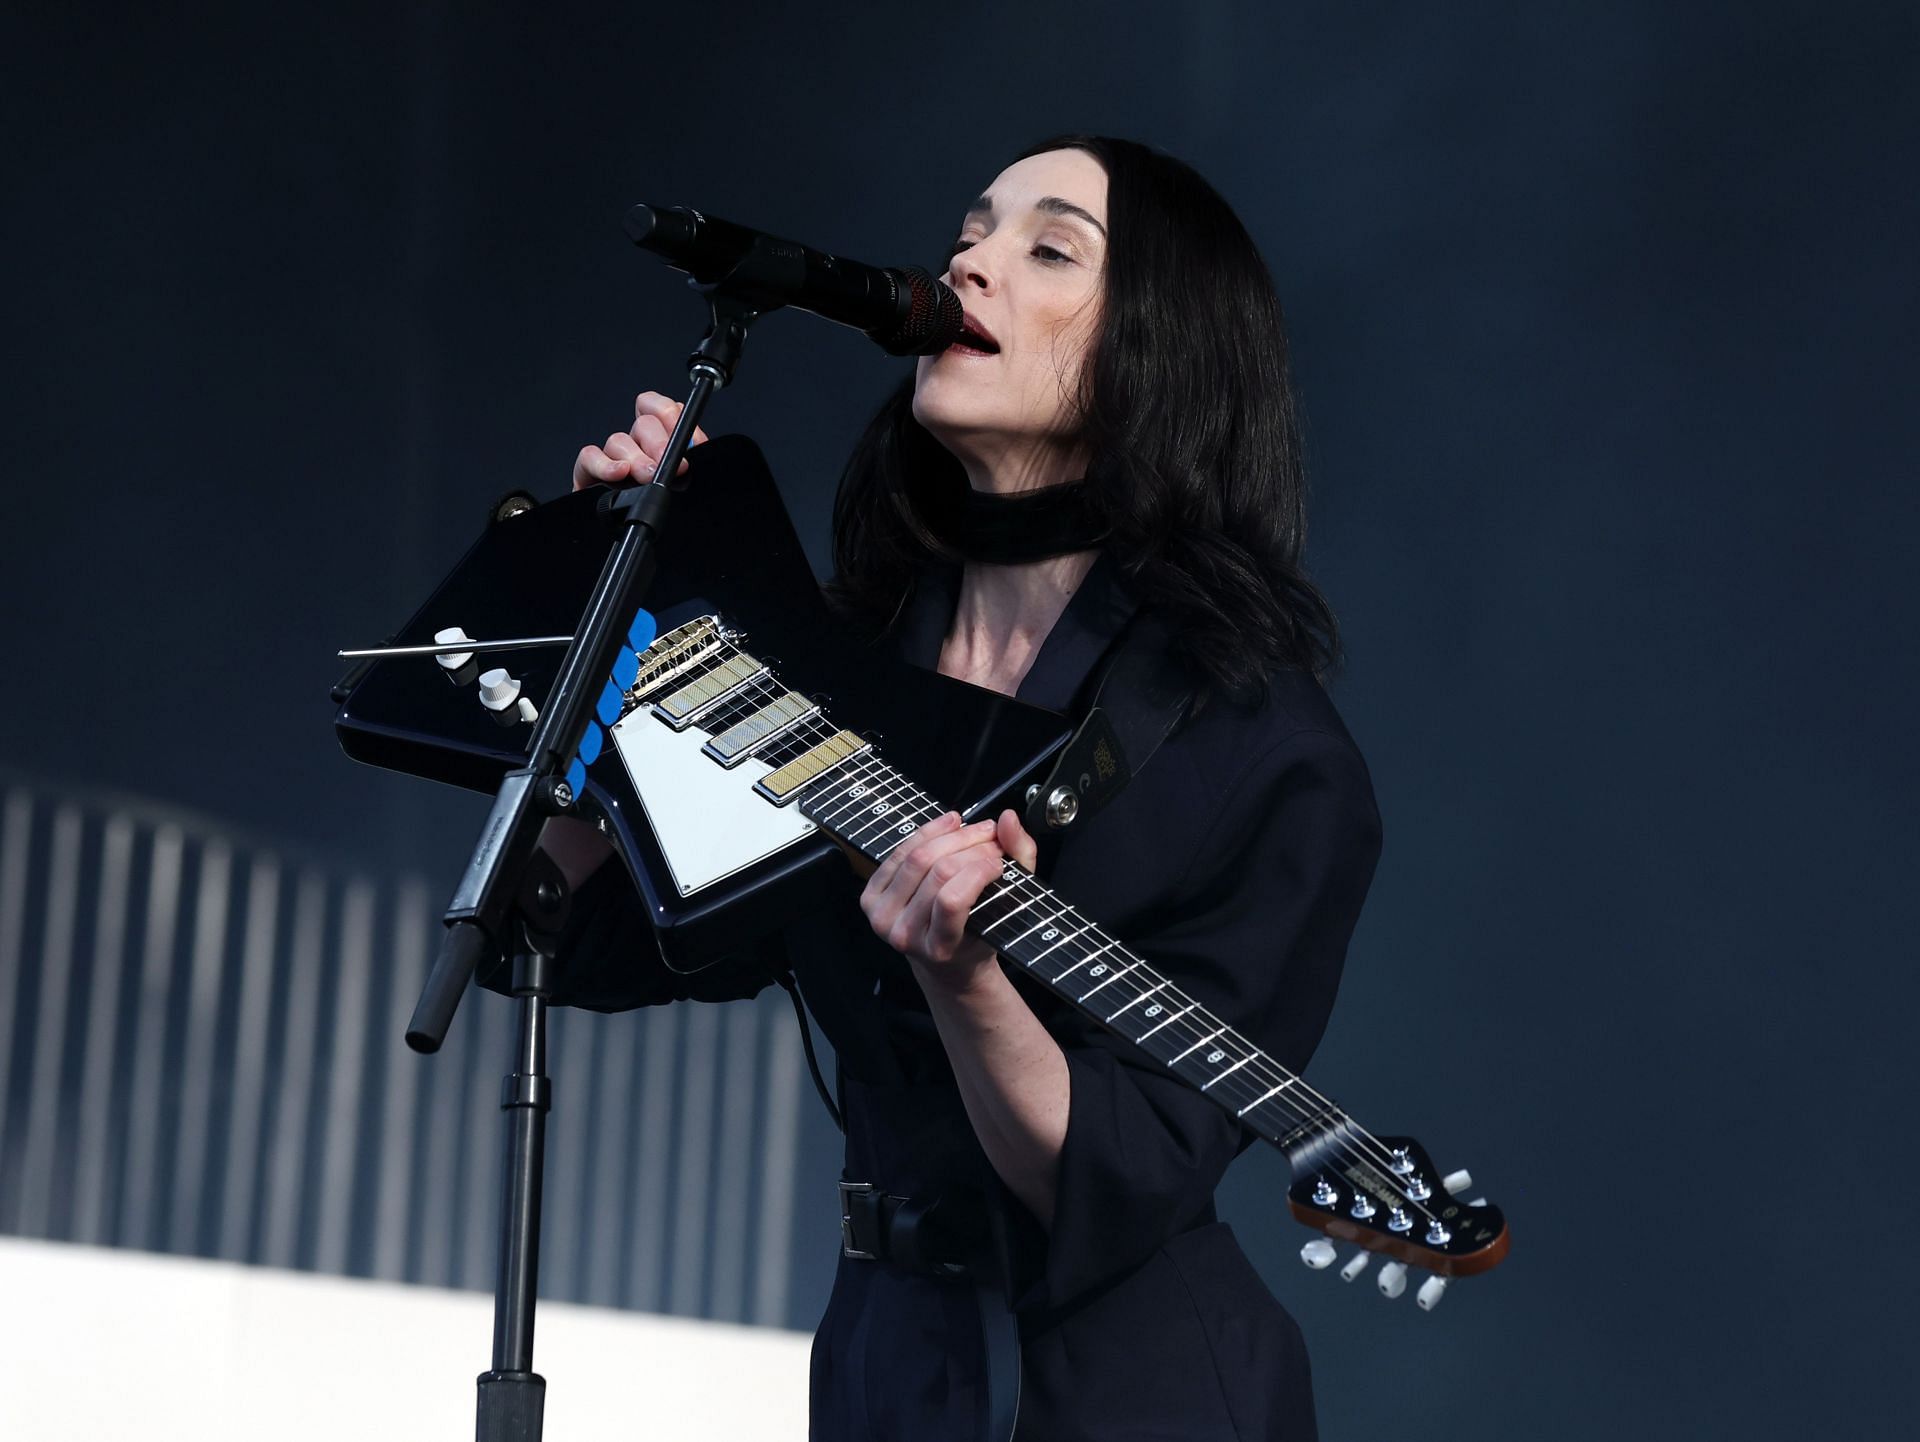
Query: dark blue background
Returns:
{"type": "Point", "coordinates": [1605, 324]}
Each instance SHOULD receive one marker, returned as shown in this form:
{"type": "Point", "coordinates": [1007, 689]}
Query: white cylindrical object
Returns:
{"type": "Point", "coordinates": [1430, 1293]}
{"type": "Point", "coordinates": [528, 711]}
{"type": "Point", "coordinates": [1355, 1267]}
{"type": "Point", "coordinates": [498, 690]}
{"type": "Point", "coordinates": [1393, 1279]}
{"type": "Point", "coordinates": [1318, 1254]}
{"type": "Point", "coordinates": [457, 659]}
{"type": "Point", "coordinates": [1456, 1182]}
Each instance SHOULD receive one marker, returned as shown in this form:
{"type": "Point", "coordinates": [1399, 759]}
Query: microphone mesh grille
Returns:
{"type": "Point", "coordinates": [933, 321]}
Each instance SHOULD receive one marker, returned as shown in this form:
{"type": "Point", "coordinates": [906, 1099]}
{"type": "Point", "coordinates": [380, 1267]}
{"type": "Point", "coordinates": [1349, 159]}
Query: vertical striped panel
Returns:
{"type": "Point", "coordinates": [609, 1222]}
{"type": "Point", "coordinates": [286, 1167]}
{"type": "Point", "coordinates": [352, 978]}
{"type": "Point", "coordinates": [692, 1184]}
{"type": "Point", "coordinates": [250, 1070]}
{"type": "Point", "coordinates": [93, 1142]}
{"type": "Point", "coordinates": [486, 1040]}
{"type": "Point", "coordinates": [574, 1043]}
{"type": "Point", "coordinates": [211, 912]}
{"type": "Point", "coordinates": [779, 1168]}
{"type": "Point", "coordinates": [412, 924]}
{"type": "Point", "coordinates": [200, 1051]}
{"type": "Point", "coordinates": [652, 1134]}
{"type": "Point", "coordinates": [139, 1191]}
{"type": "Point", "coordinates": [15, 848]}
{"type": "Point", "coordinates": [733, 1175]}
{"type": "Point", "coordinates": [50, 1025]}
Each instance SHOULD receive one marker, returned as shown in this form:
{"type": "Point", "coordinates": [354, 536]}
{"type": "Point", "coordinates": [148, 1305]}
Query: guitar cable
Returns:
{"type": "Point", "coordinates": [786, 980]}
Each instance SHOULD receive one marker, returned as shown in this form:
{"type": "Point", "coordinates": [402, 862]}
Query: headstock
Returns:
{"type": "Point", "coordinates": [1385, 1195]}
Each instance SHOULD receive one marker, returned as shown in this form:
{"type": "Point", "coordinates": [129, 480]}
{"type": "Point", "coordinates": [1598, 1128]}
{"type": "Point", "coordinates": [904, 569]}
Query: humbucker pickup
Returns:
{"type": "Point", "coordinates": [683, 705]}
{"type": "Point", "coordinates": [731, 746]}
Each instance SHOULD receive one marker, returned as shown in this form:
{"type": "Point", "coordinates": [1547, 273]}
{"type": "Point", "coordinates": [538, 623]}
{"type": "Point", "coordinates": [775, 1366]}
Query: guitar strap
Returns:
{"type": "Point", "coordinates": [1141, 695]}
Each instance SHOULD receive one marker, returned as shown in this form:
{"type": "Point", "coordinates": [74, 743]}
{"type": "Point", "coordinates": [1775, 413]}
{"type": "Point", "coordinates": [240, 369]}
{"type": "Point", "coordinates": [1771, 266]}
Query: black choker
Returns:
{"type": "Point", "coordinates": [1013, 530]}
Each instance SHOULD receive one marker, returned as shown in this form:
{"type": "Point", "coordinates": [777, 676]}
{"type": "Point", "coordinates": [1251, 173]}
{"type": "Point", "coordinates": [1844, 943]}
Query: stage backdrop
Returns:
{"type": "Point", "coordinates": [1604, 319]}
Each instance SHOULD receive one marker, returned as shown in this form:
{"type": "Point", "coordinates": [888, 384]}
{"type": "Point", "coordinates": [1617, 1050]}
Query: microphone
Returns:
{"type": "Point", "coordinates": [905, 311]}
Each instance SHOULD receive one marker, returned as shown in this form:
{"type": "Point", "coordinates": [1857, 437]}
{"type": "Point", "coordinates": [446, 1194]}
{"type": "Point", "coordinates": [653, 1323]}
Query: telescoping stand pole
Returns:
{"type": "Point", "coordinates": [506, 897]}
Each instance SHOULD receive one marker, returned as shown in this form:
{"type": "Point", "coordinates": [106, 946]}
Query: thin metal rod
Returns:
{"type": "Point", "coordinates": [456, 648]}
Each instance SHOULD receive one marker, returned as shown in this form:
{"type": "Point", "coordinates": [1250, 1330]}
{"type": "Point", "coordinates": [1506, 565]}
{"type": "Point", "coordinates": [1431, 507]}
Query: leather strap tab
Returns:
{"type": "Point", "coordinates": [1140, 699]}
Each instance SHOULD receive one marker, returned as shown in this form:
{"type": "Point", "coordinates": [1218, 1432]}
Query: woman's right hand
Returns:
{"type": "Point", "coordinates": [632, 455]}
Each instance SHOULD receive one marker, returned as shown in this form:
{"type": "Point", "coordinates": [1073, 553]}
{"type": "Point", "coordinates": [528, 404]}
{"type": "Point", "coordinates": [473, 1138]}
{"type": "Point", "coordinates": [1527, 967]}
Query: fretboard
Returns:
{"type": "Point", "coordinates": [865, 804]}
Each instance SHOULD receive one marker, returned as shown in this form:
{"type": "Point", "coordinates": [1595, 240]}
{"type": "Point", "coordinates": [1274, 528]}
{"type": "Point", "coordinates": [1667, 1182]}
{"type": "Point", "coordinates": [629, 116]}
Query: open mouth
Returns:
{"type": "Point", "coordinates": [973, 337]}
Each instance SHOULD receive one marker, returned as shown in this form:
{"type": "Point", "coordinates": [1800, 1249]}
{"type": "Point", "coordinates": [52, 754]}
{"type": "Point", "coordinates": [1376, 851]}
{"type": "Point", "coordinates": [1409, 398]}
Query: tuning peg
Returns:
{"type": "Point", "coordinates": [1358, 1265]}
{"type": "Point", "coordinates": [1430, 1293]}
{"type": "Point", "coordinates": [1393, 1279]}
{"type": "Point", "coordinates": [1318, 1254]}
{"type": "Point", "coordinates": [1456, 1182]}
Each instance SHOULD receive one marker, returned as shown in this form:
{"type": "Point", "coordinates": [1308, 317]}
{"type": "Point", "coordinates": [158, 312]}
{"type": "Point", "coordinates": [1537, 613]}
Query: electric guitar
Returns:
{"type": "Point", "coordinates": [718, 779]}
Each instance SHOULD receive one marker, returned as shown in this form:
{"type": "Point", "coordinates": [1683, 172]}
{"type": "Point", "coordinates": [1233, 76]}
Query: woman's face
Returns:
{"type": "Point", "coordinates": [1027, 264]}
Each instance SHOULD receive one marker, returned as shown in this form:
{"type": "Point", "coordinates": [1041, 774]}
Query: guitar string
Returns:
{"type": "Point", "coordinates": [814, 728]}
{"type": "Point", "coordinates": [1339, 1125]}
{"type": "Point", "coordinates": [1255, 1062]}
{"type": "Point", "coordinates": [1328, 1114]}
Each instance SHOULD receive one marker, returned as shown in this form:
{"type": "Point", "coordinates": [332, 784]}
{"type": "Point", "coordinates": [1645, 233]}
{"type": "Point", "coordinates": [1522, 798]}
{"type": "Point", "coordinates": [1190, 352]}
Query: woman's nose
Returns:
{"type": "Point", "coordinates": [969, 269]}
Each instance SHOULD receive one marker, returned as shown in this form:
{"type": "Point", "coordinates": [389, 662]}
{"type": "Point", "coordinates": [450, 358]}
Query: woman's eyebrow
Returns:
{"type": "Point", "coordinates": [1049, 204]}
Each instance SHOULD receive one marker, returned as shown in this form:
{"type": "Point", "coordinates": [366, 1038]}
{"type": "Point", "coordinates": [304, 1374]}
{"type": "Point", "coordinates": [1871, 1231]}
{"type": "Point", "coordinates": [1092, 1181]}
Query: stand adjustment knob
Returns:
{"type": "Point", "coordinates": [499, 693]}
{"type": "Point", "coordinates": [460, 666]}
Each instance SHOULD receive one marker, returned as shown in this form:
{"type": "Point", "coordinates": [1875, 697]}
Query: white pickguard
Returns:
{"type": "Point", "coordinates": [709, 820]}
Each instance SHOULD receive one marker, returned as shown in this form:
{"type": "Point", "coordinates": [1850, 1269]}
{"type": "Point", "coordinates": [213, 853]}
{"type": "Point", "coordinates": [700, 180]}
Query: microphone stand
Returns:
{"type": "Point", "coordinates": [512, 899]}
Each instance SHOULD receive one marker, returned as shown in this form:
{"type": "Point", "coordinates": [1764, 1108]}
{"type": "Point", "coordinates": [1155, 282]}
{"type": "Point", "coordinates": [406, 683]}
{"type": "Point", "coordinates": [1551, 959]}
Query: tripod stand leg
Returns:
{"type": "Point", "coordinates": [513, 1396]}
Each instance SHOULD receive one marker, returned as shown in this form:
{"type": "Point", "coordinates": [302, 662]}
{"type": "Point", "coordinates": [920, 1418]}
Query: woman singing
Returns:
{"type": "Point", "coordinates": [1113, 441]}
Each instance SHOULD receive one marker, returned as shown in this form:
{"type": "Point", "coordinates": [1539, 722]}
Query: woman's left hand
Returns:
{"type": "Point", "coordinates": [919, 898]}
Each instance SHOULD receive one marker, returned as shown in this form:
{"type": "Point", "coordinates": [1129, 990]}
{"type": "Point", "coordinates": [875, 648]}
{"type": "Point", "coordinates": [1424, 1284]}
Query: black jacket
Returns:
{"type": "Point", "coordinates": [1236, 863]}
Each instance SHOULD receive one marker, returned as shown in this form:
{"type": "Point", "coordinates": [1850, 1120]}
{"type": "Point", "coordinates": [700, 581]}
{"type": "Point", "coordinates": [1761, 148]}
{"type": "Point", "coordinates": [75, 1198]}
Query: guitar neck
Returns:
{"type": "Point", "coordinates": [870, 807]}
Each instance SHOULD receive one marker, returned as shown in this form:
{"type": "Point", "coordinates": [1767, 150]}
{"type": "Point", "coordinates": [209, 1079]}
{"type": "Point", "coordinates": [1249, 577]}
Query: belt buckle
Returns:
{"type": "Point", "coordinates": [848, 1246]}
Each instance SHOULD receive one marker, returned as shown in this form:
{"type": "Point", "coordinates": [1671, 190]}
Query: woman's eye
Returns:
{"type": "Point", "coordinates": [958, 246]}
{"type": "Point", "coordinates": [1049, 254]}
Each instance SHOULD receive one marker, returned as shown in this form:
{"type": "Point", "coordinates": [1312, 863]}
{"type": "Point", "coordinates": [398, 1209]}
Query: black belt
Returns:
{"type": "Point", "coordinates": [877, 1226]}
{"type": "Point", "coordinates": [932, 1237]}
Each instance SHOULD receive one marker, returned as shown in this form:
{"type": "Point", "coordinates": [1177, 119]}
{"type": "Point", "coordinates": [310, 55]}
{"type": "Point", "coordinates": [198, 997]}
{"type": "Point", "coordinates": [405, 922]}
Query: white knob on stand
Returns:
{"type": "Point", "coordinates": [498, 690]}
{"type": "Point", "coordinates": [457, 659]}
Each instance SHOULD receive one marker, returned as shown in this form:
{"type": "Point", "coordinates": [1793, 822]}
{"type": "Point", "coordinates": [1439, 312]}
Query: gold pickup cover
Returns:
{"type": "Point", "coordinates": [781, 786]}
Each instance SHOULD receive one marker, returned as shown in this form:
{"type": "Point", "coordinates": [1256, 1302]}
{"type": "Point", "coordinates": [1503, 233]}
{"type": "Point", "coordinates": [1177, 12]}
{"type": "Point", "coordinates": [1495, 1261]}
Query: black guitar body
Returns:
{"type": "Point", "coordinates": [728, 549]}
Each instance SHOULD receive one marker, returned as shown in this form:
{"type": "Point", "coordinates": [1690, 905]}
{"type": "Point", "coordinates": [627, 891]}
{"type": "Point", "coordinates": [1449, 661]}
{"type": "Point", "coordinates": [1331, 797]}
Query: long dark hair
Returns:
{"type": "Point", "coordinates": [1189, 419]}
